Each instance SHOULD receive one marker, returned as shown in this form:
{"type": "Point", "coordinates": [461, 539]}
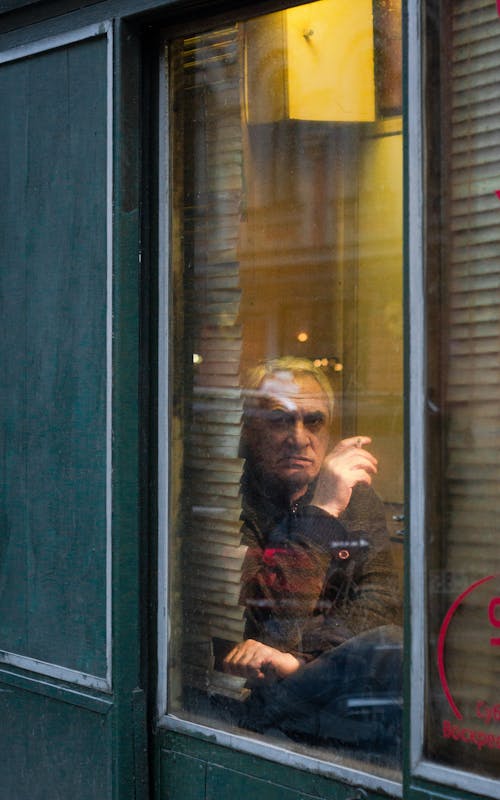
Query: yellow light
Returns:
{"type": "Point", "coordinates": [320, 67]}
{"type": "Point", "coordinates": [325, 39]}
{"type": "Point", "coordinates": [338, 367]}
{"type": "Point", "coordinates": [197, 359]}
{"type": "Point", "coordinates": [303, 336]}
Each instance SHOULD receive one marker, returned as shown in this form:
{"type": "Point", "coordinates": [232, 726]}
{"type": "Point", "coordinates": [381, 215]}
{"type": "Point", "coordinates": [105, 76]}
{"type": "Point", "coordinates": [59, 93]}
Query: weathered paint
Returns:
{"type": "Point", "coordinates": [53, 294]}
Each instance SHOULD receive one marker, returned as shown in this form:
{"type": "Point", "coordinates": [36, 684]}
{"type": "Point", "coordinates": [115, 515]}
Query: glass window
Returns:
{"type": "Point", "coordinates": [286, 463]}
{"type": "Point", "coordinates": [462, 725]}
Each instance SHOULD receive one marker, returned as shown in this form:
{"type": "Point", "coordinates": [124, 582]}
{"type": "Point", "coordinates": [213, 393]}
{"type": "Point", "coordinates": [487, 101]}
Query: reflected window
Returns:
{"type": "Point", "coordinates": [462, 723]}
{"type": "Point", "coordinates": [286, 463]}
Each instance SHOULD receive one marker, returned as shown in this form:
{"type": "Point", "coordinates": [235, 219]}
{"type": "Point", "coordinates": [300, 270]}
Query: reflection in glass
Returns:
{"type": "Point", "coordinates": [286, 242]}
{"type": "Point", "coordinates": [463, 583]}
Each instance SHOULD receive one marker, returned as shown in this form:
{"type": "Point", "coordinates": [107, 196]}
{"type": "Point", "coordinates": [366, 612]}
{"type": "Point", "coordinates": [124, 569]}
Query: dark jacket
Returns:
{"type": "Point", "coordinates": [311, 581]}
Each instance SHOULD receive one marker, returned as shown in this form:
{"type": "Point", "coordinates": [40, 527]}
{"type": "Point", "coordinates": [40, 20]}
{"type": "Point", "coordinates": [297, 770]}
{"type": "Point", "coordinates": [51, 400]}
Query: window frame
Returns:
{"type": "Point", "coordinates": [415, 234]}
{"type": "Point", "coordinates": [173, 722]}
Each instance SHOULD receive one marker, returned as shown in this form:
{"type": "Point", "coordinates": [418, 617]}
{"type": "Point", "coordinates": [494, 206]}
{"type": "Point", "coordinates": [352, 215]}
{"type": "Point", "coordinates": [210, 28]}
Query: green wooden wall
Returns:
{"type": "Point", "coordinates": [56, 739]}
{"type": "Point", "coordinates": [53, 284]}
{"type": "Point", "coordinates": [53, 749]}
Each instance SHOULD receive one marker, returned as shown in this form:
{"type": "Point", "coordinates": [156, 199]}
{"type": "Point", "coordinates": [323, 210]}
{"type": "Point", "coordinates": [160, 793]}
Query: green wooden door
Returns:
{"type": "Point", "coordinates": [67, 699]}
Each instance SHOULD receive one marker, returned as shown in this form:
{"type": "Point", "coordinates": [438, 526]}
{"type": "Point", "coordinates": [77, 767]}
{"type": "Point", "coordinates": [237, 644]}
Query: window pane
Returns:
{"type": "Point", "coordinates": [285, 563]}
{"type": "Point", "coordinates": [463, 715]}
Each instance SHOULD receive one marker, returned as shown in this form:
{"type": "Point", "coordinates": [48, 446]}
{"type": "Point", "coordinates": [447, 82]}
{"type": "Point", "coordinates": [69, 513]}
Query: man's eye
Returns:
{"type": "Point", "coordinates": [314, 421]}
{"type": "Point", "coordinates": [278, 419]}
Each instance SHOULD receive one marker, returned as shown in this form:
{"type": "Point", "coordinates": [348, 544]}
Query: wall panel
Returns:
{"type": "Point", "coordinates": [53, 318]}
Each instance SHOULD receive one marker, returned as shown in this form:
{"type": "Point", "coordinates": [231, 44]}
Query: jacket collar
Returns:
{"type": "Point", "coordinates": [263, 507]}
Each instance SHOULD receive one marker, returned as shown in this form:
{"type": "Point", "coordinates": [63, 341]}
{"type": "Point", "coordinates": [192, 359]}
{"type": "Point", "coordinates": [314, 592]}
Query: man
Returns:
{"type": "Point", "coordinates": [318, 585]}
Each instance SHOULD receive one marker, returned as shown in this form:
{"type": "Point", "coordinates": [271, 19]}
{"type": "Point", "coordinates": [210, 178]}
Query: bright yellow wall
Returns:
{"type": "Point", "coordinates": [379, 311]}
{"type": "Point", "coordinates": [330, 61]}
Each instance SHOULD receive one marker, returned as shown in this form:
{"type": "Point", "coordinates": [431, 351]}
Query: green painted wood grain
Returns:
{"type": "Point", "coordinates": [53, 330]}
{"type": "Point", "coordinates": [228, 768]}
{"type": "Point", "coordinates": [182, 776]}
{"type": "Point", "coordinates": [52, 749]}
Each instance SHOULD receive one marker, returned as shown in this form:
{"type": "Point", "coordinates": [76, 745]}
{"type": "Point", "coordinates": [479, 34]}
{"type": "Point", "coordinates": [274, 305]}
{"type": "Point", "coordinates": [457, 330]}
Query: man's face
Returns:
{"type": "Point", "coordinates": [288, 436]}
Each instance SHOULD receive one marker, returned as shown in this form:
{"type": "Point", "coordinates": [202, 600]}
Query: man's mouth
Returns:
{"type": "Point", "coordinates": [295, 460]}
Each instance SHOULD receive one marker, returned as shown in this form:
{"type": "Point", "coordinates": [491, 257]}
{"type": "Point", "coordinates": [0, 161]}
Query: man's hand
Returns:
{"type": "Point", "coordinates": [259, 662]}
{"type": "Point", "coordinates": [348, 464]}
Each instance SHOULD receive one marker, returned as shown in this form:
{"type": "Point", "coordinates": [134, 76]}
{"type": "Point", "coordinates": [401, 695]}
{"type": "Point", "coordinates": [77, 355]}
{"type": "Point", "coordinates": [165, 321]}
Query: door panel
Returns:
{"type": "Point", "coordinates": [53, 289]}
{"type": "Point", "coordinates": [54, 749]}
{"type": "Point", "coordinates": [58, 718]}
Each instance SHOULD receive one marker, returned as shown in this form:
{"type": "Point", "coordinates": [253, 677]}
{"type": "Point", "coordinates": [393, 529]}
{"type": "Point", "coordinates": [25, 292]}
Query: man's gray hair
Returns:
{"type": "Point", "coordinates": [291, 364]}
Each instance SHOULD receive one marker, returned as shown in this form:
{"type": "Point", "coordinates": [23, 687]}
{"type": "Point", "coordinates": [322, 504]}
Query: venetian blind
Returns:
{"type": "Point", "coordinates": [473, 289]}
{"type": "Point", "coordinates": [212, 207]}
{"type": "Point", "coordinates": [469, 536]}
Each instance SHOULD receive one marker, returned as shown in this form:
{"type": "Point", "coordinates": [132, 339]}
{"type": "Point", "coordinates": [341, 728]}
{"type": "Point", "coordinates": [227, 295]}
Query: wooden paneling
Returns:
{"type": "Point", "coordinates": [186, 762]}
{"type": "Point", "coordinates": [182, 776]}
{"type": "Point", "coordinates": [52, 749]}
{"type": "Point", "coordinates": [223, 782]}
{"type": "Point", "coordinates": [53, 330]}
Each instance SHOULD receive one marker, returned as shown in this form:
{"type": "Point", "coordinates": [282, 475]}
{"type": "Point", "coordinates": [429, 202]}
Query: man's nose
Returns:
{"type": "Point", "coordinates": [298, 433]}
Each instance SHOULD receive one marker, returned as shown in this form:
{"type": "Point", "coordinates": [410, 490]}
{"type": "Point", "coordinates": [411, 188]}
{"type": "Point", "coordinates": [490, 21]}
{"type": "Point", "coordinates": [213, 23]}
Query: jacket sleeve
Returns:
{"type": "Point", "coordinates": [361, 589]}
